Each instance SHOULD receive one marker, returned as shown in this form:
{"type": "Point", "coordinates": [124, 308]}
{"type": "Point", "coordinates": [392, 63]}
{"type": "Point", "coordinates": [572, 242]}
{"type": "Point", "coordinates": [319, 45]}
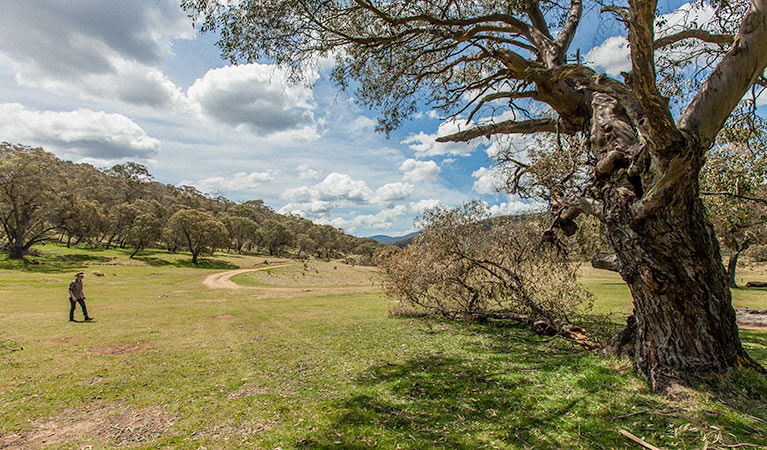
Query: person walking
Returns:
{"type": "Point", "coordinates": [76, 295]}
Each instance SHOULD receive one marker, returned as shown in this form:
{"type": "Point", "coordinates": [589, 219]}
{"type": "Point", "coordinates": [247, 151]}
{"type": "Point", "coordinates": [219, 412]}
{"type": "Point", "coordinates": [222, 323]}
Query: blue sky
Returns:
{"type": "Point", "coordinates": [109, 81]}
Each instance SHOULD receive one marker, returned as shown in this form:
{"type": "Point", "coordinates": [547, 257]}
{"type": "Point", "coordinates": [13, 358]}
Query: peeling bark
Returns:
{"type": "Point", "coordinates": [683, 323]}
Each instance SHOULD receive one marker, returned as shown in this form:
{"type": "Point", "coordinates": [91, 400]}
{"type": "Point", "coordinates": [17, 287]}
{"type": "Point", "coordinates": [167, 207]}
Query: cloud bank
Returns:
{"type": "Point", "coordinates": [82, 133]}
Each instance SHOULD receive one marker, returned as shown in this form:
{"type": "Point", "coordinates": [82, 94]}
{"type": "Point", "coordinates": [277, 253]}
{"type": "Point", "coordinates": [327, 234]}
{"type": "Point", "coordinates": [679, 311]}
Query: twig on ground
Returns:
{"type": "Point", "coordinates": [638, 441]}
{"type": "Point", "coordinates": [644, 411]}
{"type": "Point", "coordinates": [744, 444]}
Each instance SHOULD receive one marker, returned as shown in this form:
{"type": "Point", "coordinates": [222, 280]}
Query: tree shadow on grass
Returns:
{"type": "Point", "coordinates": [52, 263]}
{"type": "Point", "coordinates": [202, 263]}
{"type": "Point", "coordinates": [508, 388]}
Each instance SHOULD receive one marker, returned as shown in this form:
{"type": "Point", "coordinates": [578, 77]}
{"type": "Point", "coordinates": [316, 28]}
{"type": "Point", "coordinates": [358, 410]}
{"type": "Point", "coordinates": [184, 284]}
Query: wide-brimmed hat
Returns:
{"type": "Point", "coordinates": [79, 274]}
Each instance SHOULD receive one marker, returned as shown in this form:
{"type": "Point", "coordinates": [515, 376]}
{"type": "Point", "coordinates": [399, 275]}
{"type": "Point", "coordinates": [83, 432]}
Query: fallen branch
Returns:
{"type": "Point", "coordinates": [638, 441]}
{"type": "Point", "coordinates": [548, 327]}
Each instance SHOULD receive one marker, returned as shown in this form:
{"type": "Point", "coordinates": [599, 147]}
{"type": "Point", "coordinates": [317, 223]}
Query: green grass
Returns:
{"type": "Point", "coordinates": [251, 368]}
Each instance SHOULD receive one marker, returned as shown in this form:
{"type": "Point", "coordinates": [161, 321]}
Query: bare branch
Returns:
{"type": "Point", "coordinates": [505, 127]}
{"type": "Point", "coordinates": [731, 195]}
{"type": "Point", "coordinates": [621, 13]}
{"type": "Point", "coordinates": [498, 96]}
{"type": "Point", "coordinates": [700, 35]}
{"type": "Point", "coordinates": [731, 79]}
{"type": "Point", "coordinates": [512, 21]}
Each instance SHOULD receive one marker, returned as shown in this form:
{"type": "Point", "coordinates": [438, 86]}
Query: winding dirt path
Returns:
{"type": "Point", "coordinates": [222, 280]}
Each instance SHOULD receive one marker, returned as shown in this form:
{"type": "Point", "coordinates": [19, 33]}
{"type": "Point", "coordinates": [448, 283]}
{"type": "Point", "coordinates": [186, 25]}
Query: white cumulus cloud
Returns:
{"type": "Point", "coordinates": [380, 221]}
{"type": "Point", "coordinates": [488, 180]}
{"type": "Point", "coordinates": [108, 50]}
{"type": "Point", "coordinates": [339, 187]}
{"type": "Point", "coordinates": [391, 192]}
{"type": "Point", "coordinates": [257, 97]}
{"type": "Point", "coordinates": [417, 171]}
{"type": "Point", "coordinates": [241, 181]}
{"type": "Point", "coordinates": [335, 187]}
{"type": "Point", "coordinates": [426, 145]}
{"type": "Point", "coordinates": [611, 57]}
{"type": "Point", "coordinates": [422, 205]}
{"type": "Point", "coordinates": [79, 134]}
{"type": "Point", "coordinates": [307, 173]}
{"type": "Point", "coordinates": [515, 207]}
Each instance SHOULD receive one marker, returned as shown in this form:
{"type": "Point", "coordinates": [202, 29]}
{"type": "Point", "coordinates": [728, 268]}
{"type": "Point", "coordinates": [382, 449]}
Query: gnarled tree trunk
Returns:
{"type": "Point", "coordinates": [683, 323]}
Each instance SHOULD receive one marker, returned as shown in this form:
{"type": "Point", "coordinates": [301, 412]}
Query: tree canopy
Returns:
{"type": "Point", "coordinates": [507, 67]}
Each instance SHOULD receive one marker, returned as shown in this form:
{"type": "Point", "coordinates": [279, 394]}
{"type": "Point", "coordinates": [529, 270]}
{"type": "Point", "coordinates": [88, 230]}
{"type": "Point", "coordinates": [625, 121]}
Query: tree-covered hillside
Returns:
{"type": "Point", "coordinates": [43, 197]}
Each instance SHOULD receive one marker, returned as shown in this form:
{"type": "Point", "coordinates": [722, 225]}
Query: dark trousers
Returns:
{"type": "Point", "coordinates": [72, 305]}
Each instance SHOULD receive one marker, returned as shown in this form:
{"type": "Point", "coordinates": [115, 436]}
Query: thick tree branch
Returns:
{"type": "Point", "coordinates": [568, 31]}
{"type": "Point", "coordinates": [700, 35]}
{"type": "Point", "coordinates": [505, 127]}
{"type": "Point", "coordinates": [731, 79]}
{"type": "Point", "coordinates": [576, 206]}
{"type": "Point", "coordinates": [642, 80]}
{"type": "Point", "coordinates": [539, 22]}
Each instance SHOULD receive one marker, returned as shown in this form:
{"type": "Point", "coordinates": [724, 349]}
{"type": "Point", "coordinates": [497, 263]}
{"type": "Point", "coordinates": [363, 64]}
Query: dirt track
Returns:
{"type": "Point", "coordinates": [223, 280]}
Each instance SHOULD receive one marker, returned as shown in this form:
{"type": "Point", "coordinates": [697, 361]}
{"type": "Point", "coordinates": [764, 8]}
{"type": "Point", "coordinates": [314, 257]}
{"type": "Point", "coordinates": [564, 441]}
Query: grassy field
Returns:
{"type": "Point", "coordinates": [306, 357]}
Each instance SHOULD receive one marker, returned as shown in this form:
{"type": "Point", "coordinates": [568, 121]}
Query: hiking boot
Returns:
{"type": "Point", "coordinates": [89, 318]}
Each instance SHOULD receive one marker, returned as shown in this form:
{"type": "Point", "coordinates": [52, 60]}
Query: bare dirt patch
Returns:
{"type": "Point", "coordinates": [119, 349]}
{"type": "Point", "coordinates": [751, 319]}
{"type": "Point", "coordinates": [117, 424]}
{"type": "Point", "coordinates": [62, 340]}
{"type": "Point", "coordinates": [223, 316]}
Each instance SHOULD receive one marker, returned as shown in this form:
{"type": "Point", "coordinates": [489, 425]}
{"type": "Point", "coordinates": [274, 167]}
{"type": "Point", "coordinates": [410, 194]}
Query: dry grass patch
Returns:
{"type": "Point", "coordinates": [229, 430]}
{"type": "Point", "coordinates": [117, 424]}
{"type": "Point", "coordinates": [119, 349]}
{"type": "Point", "coordinates": [223, 316]}
{"type": "Point", "coordinates": [314, 273]}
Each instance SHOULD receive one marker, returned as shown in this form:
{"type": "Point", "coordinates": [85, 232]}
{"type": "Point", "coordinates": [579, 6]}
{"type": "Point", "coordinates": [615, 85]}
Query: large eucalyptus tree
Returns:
{"type": "Point", "coordinates": [463, 55]}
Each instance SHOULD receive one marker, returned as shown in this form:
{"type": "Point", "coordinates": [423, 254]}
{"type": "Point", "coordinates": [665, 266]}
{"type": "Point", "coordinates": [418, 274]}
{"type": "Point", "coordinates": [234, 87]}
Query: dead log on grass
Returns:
{"type": "Point", "coordinates": [548, 326]}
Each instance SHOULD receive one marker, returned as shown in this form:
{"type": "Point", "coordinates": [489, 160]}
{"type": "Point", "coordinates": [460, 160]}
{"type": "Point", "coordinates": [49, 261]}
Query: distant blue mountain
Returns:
{"type": "Point", "coordinates": [399, 241]}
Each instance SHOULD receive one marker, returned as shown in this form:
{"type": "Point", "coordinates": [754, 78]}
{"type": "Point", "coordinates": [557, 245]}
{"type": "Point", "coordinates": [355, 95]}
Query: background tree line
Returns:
{"type": "Point", "coordinates": [44, 198]}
